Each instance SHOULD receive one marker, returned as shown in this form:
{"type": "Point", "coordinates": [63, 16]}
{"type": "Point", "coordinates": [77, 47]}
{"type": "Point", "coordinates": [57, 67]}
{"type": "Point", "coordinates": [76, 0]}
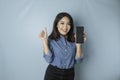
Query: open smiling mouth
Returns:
{"type": "Point", "coordinates": [64, 30]}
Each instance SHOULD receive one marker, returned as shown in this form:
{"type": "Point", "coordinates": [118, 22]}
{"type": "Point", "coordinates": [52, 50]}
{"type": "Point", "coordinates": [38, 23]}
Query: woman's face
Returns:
{"type": "Point", "coordinates": [64, 26]}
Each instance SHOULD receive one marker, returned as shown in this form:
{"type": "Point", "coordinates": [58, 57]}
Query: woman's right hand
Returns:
{"type": "Point", "coordinates": [43, 35]}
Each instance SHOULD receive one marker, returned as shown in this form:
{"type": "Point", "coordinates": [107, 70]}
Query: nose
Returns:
{"type": "Point", "coordinates": [65, 28]}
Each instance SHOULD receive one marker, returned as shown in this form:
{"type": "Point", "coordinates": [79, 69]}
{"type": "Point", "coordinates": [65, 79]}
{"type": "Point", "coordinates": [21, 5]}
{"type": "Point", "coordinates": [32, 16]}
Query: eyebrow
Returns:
{"type": "Point", "coordinates": [64, 21]}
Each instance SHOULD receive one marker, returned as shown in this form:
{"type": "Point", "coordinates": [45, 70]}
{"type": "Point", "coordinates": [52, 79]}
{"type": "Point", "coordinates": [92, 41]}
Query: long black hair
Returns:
{"type": "Point", "coordinates": [55, 33]}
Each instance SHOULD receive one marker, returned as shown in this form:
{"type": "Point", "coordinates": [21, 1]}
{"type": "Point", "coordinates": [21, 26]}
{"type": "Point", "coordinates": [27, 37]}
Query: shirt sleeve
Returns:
{"type": "Point", "coordinates": [49, 56]}
{"type": "Point", "coordinates": [79, 59]}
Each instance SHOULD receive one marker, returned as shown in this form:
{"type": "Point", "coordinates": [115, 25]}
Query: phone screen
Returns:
{"type": "Point", "coordinates": [79, 34]}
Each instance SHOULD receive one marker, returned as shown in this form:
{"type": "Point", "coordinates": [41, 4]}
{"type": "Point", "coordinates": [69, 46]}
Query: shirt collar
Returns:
{"type": "Point", "coordinates": [63, 39]}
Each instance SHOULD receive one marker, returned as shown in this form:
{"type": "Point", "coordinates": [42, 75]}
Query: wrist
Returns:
{"type": "Point", "coordinates": [78, 44]}
{"type": "Point", "coordinates": [45, 41]}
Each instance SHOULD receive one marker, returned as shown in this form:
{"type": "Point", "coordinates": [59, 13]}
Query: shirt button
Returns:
{"type": "Point", "coordinates": [65, 50]}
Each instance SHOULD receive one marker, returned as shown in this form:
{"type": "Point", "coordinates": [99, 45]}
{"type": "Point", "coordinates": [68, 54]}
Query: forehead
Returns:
{"type": "Point", "coordinates": [65, 19]}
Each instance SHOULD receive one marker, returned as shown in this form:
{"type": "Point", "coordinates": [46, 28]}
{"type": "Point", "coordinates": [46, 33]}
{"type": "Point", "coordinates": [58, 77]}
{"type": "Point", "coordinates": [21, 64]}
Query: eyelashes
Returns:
{"type": "Point", "coordinates": [64, 23]}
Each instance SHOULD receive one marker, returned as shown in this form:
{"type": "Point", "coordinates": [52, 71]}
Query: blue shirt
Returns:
{"type": "Point", "coordinates": [62, 53]}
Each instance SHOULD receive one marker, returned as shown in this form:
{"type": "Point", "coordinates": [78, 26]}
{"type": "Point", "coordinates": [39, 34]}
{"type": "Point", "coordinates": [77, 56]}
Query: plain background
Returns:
{"type": "Point", "coordinates": [21, 52]}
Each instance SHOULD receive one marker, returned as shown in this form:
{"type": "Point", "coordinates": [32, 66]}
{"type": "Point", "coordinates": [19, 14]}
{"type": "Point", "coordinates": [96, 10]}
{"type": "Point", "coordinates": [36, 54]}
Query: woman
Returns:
{"type": "Point", "coordinates": [60, 49]}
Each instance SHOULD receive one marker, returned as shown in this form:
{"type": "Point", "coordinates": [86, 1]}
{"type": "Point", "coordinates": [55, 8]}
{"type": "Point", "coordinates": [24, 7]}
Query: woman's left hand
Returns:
{"type": "Point", "coordinates": [84, 36]}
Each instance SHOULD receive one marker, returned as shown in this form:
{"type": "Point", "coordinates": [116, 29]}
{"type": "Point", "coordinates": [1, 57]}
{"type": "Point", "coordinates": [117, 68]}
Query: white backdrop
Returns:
{"type": "Point", "coordinates": [21, 56]}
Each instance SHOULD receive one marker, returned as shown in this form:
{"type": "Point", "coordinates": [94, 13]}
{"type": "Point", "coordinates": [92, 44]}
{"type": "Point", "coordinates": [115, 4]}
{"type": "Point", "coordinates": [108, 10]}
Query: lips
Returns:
{"type": "Point", "coordinates": [64, 30]}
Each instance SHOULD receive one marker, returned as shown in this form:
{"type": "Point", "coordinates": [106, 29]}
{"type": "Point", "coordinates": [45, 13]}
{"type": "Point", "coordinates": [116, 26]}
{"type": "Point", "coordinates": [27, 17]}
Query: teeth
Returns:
{"type": "Point", "coordinates": [64, 30]}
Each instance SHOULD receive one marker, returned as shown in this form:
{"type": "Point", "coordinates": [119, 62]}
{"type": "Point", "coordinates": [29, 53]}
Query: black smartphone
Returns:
{"type": "Point", "coordinates": [79, 34]}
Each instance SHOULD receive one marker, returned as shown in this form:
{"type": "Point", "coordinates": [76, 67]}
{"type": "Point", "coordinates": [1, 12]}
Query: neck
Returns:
{"type": "Point", "coordinates": [65, 36]}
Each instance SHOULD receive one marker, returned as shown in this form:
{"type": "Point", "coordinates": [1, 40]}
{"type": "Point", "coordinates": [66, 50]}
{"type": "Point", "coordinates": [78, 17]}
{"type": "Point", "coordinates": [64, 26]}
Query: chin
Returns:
{"type": "Point", "coordinates": [64, 34]}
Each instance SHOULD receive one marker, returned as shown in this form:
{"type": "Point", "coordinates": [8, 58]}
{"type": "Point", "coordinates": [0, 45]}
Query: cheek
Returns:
{"type": "Point", "coordinates": [59, 27]}
{"type": "Point", "coordinates": [69, 28]}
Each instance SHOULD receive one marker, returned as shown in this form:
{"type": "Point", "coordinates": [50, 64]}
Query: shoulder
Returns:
{"type": "Point", "coordinates": [51, 41]}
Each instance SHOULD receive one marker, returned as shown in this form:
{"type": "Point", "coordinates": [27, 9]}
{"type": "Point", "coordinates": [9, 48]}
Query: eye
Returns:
{"type": "Point", "coordinates": [62, 23]}
{"type": "Point", "coordinates": [69, 24]}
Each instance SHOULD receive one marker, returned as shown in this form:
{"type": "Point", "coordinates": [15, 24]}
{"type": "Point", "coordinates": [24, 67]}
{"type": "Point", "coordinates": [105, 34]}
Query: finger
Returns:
{"type": "Point", "coordinates": [85, 36]}
{"type": "Point", "coordinates": [45, 30]}
{"type": "Point", "coordinates": [41, 34]}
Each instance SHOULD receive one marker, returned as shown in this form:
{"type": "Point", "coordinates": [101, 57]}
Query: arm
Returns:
{"type": "Point", "coordinates": [78, 50]}
{"type": "Point", "coordinates": [48, 55]}
{"type": "Point", "coordinates": [79, 54]}
{"type": "Point", "coordinates": [46, 49]}
{"type": "Point", "coordinates": [45, 46]}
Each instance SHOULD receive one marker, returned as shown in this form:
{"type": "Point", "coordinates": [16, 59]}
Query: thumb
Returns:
{"type": "Point", "coordinates": [45, 30]}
